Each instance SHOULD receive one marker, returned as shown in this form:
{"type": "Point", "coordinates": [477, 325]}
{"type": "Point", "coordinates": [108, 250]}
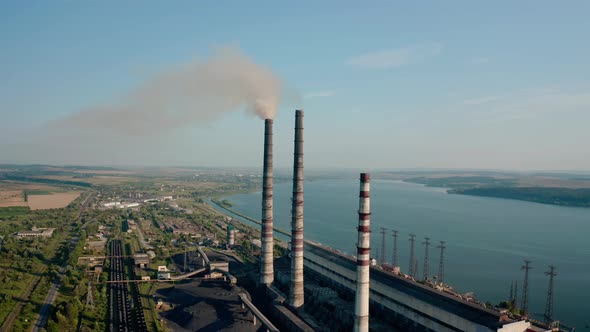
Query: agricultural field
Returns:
{"type": "Point", "coordinates": [13, 193]}
{"type": "Point", "coordinates": [90, 178]}
{"type": "Point", "coordinates": [52, 200]}
{"type": "Point", "coordinates": [34, 196]}
{"type": "Point", "coordinates": [9, 198]}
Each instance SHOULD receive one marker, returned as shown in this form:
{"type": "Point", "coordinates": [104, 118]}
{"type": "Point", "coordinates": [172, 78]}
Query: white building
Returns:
{"type": "Point", "coordinates": [130, 205]}
{"type": "Point", "coordinates": [112, 204]}
{"type": "Point", "coordinates": [36, 232]}
{"type": "Point", "coordinates": [163, 273]}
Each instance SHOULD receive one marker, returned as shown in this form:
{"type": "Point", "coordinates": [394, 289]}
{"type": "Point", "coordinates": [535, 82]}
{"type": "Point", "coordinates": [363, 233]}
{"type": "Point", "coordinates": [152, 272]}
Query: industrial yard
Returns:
{"type": "Point", "coordinates": [308, 166]}
{"type": "Point", "coordinates": [155, 255]}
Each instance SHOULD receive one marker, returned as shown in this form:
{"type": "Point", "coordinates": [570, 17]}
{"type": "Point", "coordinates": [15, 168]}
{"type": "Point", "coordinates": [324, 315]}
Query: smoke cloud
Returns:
{"type": "Point", "coordinates": [188, 95]}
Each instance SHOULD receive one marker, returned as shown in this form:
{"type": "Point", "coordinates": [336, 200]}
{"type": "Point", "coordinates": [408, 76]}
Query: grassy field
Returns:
{"type": "Point", "coordinates": [9, 212]}
{"type": "Point", "coordinates": [25, 277]}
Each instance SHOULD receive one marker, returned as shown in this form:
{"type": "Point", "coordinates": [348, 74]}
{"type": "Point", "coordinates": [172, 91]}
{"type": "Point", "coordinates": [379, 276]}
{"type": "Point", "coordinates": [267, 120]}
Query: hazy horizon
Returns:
{"type": "Point", "coordinates": [466, 86]}
{"type": "Point", "coordinates": [281, 169]}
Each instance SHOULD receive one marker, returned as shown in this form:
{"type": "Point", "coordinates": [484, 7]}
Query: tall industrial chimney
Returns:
{"type": "Point", "coordinates": [361, 307]}
{"type": "Point", "coordinates": [266, 262]}
{"type": "Point", "coordinates": [296, 288]}
{"type": "Point", "coordinates": [231, 236]}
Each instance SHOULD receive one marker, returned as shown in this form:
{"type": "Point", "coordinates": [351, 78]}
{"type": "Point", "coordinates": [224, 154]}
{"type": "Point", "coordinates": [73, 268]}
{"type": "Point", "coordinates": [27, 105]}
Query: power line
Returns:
{"type": "Point", "coordinates": [549, 306]}
{"type": "Point", "coordinates": [525, 288]}
{"type": "Point", "coordinates": [382, 258]}
{"type": "Point", "coordinates": [441, 264]}
{"type": "Point", "coordinates": [426, 244]}
{"type": "Point", "coordinates": [515, 298]}
{"type": "Point", "coordinates": [394, 258]}
{"type": "Point", "coordinates": [412, 239]}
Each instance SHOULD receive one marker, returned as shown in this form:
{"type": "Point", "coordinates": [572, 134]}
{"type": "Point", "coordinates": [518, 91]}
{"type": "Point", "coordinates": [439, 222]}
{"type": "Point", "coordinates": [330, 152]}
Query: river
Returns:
{"type": "Point", "coordinates": [487, 239]}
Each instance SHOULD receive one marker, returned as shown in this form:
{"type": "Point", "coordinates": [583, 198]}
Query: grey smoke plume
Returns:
{"type": "Point", "coordinates": [188, 95]}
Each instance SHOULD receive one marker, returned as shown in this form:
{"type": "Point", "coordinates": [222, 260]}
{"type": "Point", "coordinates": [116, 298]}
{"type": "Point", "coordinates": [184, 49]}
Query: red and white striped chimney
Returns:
{"type": "Point", "coordinates": [361, 306]}
{"type": "Point", "coordinates": [296, 287]}
{"type": "Point", "coordinates": [266, 262]}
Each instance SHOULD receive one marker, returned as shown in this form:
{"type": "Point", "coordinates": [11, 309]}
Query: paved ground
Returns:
{"type": "Point", "coordinates": [207, 305]}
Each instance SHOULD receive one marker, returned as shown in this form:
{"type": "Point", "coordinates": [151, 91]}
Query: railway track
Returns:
{"type": "Point", "coordinates": [125, 310]}
{"type": "Point", "coordinates": [119, 305]}
{"type": "Point", "coordinates": [137, 312]}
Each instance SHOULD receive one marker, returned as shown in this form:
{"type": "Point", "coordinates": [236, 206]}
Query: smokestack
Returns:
{"type": "Point", "coordinates": [266, 263]}
{"type": "Point", "coordinates": [296, 288]}
{"type": "Point", "coordinates": [231, 237]}
{"type": "Point", "coordinates": [361, 307]}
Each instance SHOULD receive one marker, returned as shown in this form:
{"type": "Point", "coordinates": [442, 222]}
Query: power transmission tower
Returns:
{"type": "Point", "coordinates": [394, 258]}
{"type": "Point", "coordinates": [426, 244]}
{"type": "Point", "coordinates": [515, 298]}
{"type": "Point", "coordinates": [549, 306]}
{"type": "Point", "coordinates": [412, 239]}
{"type": "Point", "coordinates": [525, 288]}
{"type": "Point", "coordinates": [441, 264]}
{"type": "Point", "coordinates": [415, 269]}
{"type": "Point", "coordinates": [382, 258]}
{"type": "Point", "coordinates": [184, 261]}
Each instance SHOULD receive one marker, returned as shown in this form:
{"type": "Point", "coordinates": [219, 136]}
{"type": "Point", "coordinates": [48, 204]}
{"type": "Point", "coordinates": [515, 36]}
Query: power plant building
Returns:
{"type": "Point", "coordinates": [398, 299]}
{"type": "Point", "coordinates": [407, 301]}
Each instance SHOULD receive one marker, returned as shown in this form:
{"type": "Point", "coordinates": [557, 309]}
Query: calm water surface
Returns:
{"type": "Point", "coordinates": [487, 238]}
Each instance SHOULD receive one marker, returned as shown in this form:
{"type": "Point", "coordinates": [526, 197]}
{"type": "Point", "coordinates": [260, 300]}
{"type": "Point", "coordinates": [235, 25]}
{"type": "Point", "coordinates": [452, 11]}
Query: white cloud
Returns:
{"type": "Point", "coordinates": [395, 57]}
{"type": "Point", "coordinates": [319, 94]}
{"type": "Point", "coordinates": [482, 100]}
{"type": "Point", "coordinates": [529, 103]}
{"type": "Point", "coordinates": [480, 60]}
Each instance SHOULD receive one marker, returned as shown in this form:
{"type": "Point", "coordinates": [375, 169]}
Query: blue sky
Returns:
{"type": "Point", "coordinates": [462, 84]}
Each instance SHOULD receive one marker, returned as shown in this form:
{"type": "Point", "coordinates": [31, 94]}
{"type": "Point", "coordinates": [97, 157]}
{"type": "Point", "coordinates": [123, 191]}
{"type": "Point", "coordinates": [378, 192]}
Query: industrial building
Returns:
{"type": "Point", "coordinates": [163, 273]}
{"type": "Point", "coordinates": [36, 232]}
{"type": "Point", "coordinates": [399, 300]}
{"type": "Point", "coordinates": [408, 302]}
{"type": "Point", "coordinates": [141, 260]}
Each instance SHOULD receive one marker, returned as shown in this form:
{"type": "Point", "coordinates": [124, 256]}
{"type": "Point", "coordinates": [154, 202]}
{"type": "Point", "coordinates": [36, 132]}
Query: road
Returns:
{"type": "Point", "coordinates": [52, 294]}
